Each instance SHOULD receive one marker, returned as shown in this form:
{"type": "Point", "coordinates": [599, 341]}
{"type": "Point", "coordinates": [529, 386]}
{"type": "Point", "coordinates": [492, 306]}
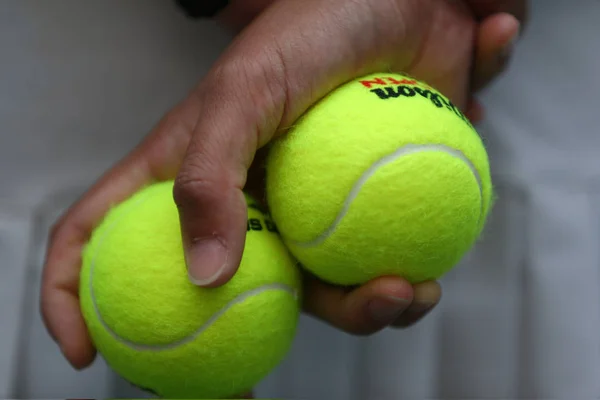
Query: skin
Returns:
{"type": "Point", "coordinates": [287, 54]}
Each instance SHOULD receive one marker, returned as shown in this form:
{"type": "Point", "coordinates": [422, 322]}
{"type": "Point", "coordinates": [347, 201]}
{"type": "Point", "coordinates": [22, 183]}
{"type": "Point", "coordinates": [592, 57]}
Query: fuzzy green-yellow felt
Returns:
{"type": "Point", "coordinates": [166, 335]}
{"type": "Point", "coordinates": [384, 176]}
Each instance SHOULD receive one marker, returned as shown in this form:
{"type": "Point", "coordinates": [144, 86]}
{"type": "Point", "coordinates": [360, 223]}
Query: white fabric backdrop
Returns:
{"type": "Point", "coordinates": [520, 318]}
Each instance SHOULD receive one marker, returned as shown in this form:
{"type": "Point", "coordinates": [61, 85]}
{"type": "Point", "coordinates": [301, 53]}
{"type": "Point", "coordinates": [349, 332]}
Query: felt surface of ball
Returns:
{"type": "Point", "coordinates": [164, 334]}
{"type": "Point", "coordinates": [383, 176]}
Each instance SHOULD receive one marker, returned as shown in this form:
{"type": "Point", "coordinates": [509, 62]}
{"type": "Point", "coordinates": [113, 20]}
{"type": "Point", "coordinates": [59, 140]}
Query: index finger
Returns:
{"type": "Point", "coordinates": [485, 8]}
{"type": "Point", "coordinates": [155, 159]}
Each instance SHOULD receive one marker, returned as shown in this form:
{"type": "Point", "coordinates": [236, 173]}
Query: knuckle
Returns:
{"type": "Point", "coordinates": [177, 122]}
{"type": "Point", "coordinates": [193, 191]}
{"type": "Point", "coordinates": [205, 164]}
{"type": "Point", "coordinates": [68, 230]}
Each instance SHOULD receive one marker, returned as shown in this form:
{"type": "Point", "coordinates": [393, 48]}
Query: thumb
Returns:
{"type": "Point", "coordinates": [212, 217]}
{"type": "Point", "coordinates": [273, 71]}
{"type": "Point", "coordinates": [240, 112]}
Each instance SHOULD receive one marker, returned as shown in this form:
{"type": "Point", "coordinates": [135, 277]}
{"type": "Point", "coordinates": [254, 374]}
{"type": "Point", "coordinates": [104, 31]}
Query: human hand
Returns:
{"type": "Point", "coordinates": [290, 56]}
{"type": "Point", "coordinates": [498, 27]}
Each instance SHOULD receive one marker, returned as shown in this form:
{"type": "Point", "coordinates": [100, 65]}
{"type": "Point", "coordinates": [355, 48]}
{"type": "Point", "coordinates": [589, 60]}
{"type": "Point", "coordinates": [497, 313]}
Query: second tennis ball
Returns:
{"type": "Point", "coordinates": [384, 176]}
{"type": "Point", "coordinates": [164, 334]}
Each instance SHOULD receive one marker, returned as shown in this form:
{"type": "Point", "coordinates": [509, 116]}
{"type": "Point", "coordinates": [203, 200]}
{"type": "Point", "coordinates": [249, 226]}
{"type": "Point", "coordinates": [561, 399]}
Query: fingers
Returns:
{"type": "Point", "coordinates": [485, 8]}
{"type": "Point", "coordinates": [369, 308]}
{"type": "Point", "coordinates": [60, 281]}
{"type": "Point", "coordinates": [155, 159]}
{"type": "Point", "coordinates": [62, 316]}
{"type": "Point", "coordinates": [361, 311]}
{"type": "Point", "coordinates": [427, 295]}
{"type": "Point", "coordinates": [494, 45]}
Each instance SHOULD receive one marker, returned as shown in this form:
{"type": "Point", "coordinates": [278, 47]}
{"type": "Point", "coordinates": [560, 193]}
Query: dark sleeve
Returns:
{"type": "Point", "coordinates": [202, 8]}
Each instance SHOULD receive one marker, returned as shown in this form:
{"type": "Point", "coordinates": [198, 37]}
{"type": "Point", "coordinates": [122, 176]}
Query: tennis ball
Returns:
{"type": "Point", "coordinates": [168, 336]}
{"type": "Point", "coordinates": [383, 176]}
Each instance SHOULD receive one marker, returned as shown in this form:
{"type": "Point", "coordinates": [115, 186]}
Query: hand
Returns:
{"type": "Point", "coordinates": [291, 55]}
{"type": "Point", "coordinates": [496, 37]}
{"type": "Point", "coordinates": [499, 23]}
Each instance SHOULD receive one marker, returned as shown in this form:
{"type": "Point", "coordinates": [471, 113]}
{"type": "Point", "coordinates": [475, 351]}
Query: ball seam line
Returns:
{"type": "Point", "coordinates": [158, 347]}
{"type": "Point", "coordinates": [356, 188]}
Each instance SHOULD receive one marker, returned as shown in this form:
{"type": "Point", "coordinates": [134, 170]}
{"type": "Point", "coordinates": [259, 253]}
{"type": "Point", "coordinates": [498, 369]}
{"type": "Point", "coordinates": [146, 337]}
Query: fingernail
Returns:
{"type": "Point", "coordinates": [386, 309]}
{"type": "Point", "coordinates": [206, 260]}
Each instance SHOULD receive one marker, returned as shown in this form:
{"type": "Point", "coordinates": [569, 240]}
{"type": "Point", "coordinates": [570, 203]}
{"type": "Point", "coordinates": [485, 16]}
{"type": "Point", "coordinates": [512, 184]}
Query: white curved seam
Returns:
{"type": "Point", "coordinates": [197, 332]}
{"type": "Point", "coordinates": [400, 152]}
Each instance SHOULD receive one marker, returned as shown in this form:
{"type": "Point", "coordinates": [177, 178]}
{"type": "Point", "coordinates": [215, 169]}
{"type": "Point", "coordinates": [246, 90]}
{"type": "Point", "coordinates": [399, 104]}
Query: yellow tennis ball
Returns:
{"type": "Point", "coordinates": [168, 336]}
{"type": "Point", "coordinates": [384, 176]}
